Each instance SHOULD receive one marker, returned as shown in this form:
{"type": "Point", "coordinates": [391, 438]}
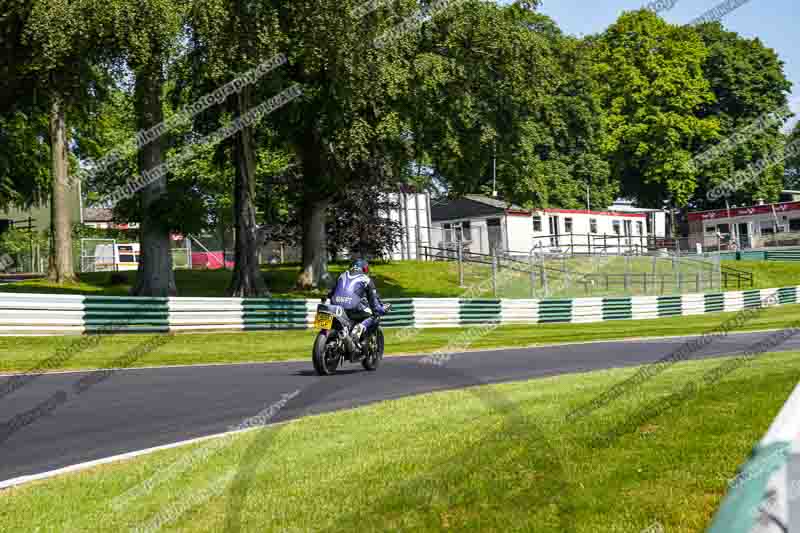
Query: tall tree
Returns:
{"type": "Point", "coordinates": [503, 84]}
{"type": "Point", "coordinates": [47, 57]}
{"type": "Point", "coordinates": [351, 89]}
{"type": "Point", "coordinates": [147, 32]}
{"type": "Point", "coordinates": [748, 82]}
{"type": "Point", "coordinates": [651, 83]}
{"type": "Point", "coordinates": [235, 36]}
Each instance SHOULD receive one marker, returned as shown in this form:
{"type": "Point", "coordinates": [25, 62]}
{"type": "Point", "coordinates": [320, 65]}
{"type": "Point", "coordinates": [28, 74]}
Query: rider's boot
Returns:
{"type": "Point", "coordinates": [356, 334]}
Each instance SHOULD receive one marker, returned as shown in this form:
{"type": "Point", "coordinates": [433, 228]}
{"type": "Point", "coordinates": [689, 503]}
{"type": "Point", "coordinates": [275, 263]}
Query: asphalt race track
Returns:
{"type": "Point", "coordinates": [142, 408]}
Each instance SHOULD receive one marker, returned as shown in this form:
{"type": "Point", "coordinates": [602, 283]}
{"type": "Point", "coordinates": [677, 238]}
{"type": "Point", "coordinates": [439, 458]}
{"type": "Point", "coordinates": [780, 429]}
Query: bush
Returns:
{"type": "Point", "coordinates": [117, 278]}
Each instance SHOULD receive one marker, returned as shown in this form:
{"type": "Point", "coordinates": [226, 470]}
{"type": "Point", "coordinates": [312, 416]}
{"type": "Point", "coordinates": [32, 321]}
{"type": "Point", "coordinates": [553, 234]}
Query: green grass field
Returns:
{"type": "Point", "coordinates": [395, 280]}
{"type": "Point", "coordinates": [19, 354]}
{"type": "Point", "coordinates": [495, 458]}
{"type": "Point", "coordinates": [401, 279]}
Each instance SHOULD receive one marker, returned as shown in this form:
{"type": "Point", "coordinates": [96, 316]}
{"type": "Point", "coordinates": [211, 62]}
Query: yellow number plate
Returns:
{"type": "Point", "coordinates": [323, 321]}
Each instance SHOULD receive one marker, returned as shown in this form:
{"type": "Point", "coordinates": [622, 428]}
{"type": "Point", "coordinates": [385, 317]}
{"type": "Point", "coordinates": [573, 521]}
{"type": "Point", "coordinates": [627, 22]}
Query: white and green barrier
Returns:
{"type": "Point", "coordinates": [65, 314]}
{"type": "Point", "coordinates": [765, 494]}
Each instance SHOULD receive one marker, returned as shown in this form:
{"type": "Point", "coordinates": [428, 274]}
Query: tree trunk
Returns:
{"type": "Point", "coordinates": [155, 276]}
{"type": "Point", "coordinates": [61, 269]}
{"type": "Point", "coordinates": [315, 248]}
{"type": "Point", "coordinates": [247, 279]}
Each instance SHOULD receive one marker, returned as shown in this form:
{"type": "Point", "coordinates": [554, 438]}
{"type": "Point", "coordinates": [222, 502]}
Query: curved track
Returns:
{"type": "Point", "coordinates": [142, 408]}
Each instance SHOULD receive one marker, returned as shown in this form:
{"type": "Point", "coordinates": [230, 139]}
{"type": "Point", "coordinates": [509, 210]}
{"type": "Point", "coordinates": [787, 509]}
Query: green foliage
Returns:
{"type": "Point", "coordinates": [791, 178]}
{"type": "Point", "coordinates": [24, 158]}
{"type": "Point", "coordinates": [622, 112]}
{"type": "Point", "coordinates": [16, 241]}
{"type": "Point", "coordinates": [143, 31]}
{"type": "Point", "coordinates": [651, 83]}
{"type": "Point", "coordinates": [504, 82]}
{"type": "Point", "coordinates": [748, 81]}
{"type": "Point", "coordinates": [347, 114]}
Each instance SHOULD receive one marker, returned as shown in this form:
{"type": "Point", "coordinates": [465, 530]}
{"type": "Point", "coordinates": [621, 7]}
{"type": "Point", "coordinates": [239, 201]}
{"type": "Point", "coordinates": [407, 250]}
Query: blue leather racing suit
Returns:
{"type": "Point", "coordinates": [357, 294]}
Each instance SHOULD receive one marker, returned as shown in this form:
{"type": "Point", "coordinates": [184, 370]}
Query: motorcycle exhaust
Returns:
{"type": "Point", "coordinates": [349, 344]}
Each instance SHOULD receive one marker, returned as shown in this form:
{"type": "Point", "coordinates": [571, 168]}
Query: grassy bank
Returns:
{"type": "Point", "coordinates": [395, 280]}
{"type": "Point", "coordinates": [24, 353]}
{"type": "Point", "coordinates": [401, 279]}
{"type": "Point", "coordinates": [498, 458]}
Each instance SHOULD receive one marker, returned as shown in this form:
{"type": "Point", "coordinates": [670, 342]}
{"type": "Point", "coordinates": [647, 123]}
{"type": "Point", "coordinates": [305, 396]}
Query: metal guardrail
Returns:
{"type": "Point", "coordinates": [703, 278]}
{"type": "Point", "coordinates": [613, 244]}
{"type": "Point", "coordinates": [731, 277]}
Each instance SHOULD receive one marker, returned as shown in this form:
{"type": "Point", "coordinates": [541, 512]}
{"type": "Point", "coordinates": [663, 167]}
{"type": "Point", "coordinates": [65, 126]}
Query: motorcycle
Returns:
{"type": "Point", "coordinates": [334, 343]}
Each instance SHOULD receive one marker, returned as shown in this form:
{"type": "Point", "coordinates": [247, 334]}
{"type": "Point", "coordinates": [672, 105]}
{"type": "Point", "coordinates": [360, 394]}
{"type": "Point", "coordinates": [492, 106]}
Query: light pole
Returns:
{"type": "Point", "coordinates": [588, 208]}
{"type": "Point", "coordinates": [494, 171]}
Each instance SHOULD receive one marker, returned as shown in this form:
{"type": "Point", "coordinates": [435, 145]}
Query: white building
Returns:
{"type": "Point", "coordinates": [656, 218]}
{"type": "Point", "coordinates": [414, 216]}
{"type": "Point", "coordinates": [753, 226]}
{"type": "Point", "coordinates": [101, 218]}
{"type": "Point", "coordinates": [486, 224]}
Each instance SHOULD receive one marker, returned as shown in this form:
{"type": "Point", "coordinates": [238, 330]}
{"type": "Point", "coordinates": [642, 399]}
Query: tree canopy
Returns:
{"type": "Point", "coordinates": [403, 94]}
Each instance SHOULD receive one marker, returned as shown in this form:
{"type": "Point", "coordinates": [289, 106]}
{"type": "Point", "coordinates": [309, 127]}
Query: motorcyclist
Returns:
{"type": "Point", "coordinates": [356, 293]}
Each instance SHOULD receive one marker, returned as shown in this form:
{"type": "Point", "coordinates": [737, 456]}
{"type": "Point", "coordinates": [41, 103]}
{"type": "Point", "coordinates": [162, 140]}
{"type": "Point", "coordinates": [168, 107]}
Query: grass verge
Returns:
{"type": "Point", "coordinates": [19, 354]}
{"type": "Point", "coordinates": [401, 279]}
{"type": "Point", "coordinates": [449, 460]}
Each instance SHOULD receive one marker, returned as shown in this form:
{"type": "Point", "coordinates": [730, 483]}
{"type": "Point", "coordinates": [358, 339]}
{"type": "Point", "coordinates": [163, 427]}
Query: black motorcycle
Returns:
{"type": "Point", "coordinates": [334, 343]}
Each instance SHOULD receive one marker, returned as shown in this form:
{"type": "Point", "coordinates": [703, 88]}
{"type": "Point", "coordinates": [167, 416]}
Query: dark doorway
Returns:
{"type": "Point", "coordinates": [495, 233]}
{"type": "Point", "coordinates": [744, 235]}
{"type": "Point", "coordinates": [552, 222]}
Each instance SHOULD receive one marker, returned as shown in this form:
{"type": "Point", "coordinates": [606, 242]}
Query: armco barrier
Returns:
{"type": "Point", "coordinates": [125, 314]}
{"type": "Point", "coordinates": [41, 313]}
{"type": "Point", "coordinates": [268, 313]}
{"type": "Point", "coordinates": [765, 494]}
{"type": "Point", "coordinates": [782, 255]}
{"type": "Point", "coordinates": [64, 314]}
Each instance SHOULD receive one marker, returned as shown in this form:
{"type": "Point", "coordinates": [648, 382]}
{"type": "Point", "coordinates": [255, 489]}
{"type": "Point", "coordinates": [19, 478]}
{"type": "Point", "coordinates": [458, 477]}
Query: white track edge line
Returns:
{"type": "Point", "coordinates": [21, 480]}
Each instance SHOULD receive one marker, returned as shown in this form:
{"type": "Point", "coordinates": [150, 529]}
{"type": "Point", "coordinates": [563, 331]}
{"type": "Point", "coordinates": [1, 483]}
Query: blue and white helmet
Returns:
{"type": "Point", "coordinates": [359, 266]}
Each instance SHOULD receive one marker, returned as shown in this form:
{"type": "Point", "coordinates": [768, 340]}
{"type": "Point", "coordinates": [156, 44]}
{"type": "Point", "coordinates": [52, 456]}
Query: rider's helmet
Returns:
{"type": "Point", "coordinates": [359, 266]}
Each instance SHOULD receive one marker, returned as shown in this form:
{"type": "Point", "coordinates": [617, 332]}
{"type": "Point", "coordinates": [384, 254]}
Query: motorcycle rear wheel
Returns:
{"type": "Point", "coordinates": [373, 358]}
{"type": "Point", "coordinates": [325, 363]}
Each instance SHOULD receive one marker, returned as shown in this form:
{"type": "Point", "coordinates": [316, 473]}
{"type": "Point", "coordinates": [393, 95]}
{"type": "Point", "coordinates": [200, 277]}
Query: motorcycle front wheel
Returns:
{"type": "Point", "coordinates": [325, 360]}
{"type": "Point", "coordinates": [374, 354]}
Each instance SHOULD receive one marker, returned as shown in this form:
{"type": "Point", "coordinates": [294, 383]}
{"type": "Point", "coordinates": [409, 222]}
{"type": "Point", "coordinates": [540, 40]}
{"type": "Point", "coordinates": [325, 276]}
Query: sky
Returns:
{"type": "Point", "coordinates": [775, 22]}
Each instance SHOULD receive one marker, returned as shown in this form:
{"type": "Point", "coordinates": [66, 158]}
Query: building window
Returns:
{"type": "Point", "coordinates": [537, 223]}
{"type": "Point", "coordinates": [568, 225]}
{"type": "Point", "coordinates": [711, 230]}
{"type": "Point", "coordinates": [127, 255]}
{"type": "Point", "coordinates": [592, 225]}
{"type": "Point", "coordinates": [639, 227]}
{"type": "Point", "coordinates": [724, 229]}
{"type": "Point", "coordinates": [466, 231]}
{"type": "Point", "coordinates": [794, 224]}
{"type": "Point", "coordinates": [448, 237]}
{"type": "Point", "coordinates": [617, 227]}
